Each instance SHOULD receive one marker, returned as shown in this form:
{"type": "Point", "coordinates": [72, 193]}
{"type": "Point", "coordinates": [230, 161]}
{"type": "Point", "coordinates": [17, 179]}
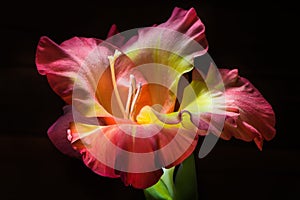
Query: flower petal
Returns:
{"type": "Point", "coordinates": [123, 146]}
{"type": "Point", "coordinates": [78, 64]}
{"type": "Point", "coordinates": [58, 133]}
{"type": "Point", "coordinates": [181, 21]}
{"type": "Point", "coordinates": [247, 114]}
{"type": "Point", "coordinates": [137, 180]}
{"type": "Point", "coordinates": [256, 119]}
{"type": "Point", "coordinates": [114, 37]}
{"type": "Point", "coordinates": [112, 31]}
{"type": "Point", "coordinates": [187, 22]}
{"type": "Point", "coordinates": [141, 180]}
{"type": "Point", "coordinates": [58, 65]}
{"type": "Point", "coordinates": [173, 45]}
{"type": "Point", "coordinates": [96, 166]}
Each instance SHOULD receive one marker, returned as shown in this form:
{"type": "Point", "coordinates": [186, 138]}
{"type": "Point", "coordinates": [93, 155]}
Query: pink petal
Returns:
{"type": "Point", "coordinates": [180, 35]}
{"type": "Point", "coordinates": [188, 23]}
{"type": "Point", "coordinates": [80, 47]}
{"type": "Point", "coordinates": [61, 63]}
{"type": "Point", "coordinates": [53, 61]}
{"type": "Point", "coordinates": [248, 115]}
{"type": "Point", "coordinates": [184, 21]}
{"type": "Point", "coordinates": [137, 180]}
{"type": "Point", "coordinates": [58, 133]}
{"type": "Point", "coordinates": [112, 31]}
{"type": "Point", "coordinates": [123, 146]}
{"type": "Point", "coordinates": [114, 37]}
{"type": "Point", "coordinates": [96, 166]}
{"type": "Point", "coordinates": [255, 119]}
{"type": "Point", "coordinates": [80, 59]}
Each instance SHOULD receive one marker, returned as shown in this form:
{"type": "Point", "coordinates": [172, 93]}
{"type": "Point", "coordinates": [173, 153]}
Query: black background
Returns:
{"type": "Point", "coordinates": [258, 39]}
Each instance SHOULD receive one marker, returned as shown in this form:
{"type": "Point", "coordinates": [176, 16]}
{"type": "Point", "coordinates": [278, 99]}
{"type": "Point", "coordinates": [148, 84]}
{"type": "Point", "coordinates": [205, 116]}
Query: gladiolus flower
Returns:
{"type": "Point", "coordinates": [122, 116]}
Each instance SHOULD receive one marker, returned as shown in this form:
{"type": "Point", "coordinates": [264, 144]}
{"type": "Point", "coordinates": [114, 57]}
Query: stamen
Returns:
{"type": "Point", "coordinates": [137, 94]}
{"type": "Point", "coordinates": [131, 91]}
{"type": "Point", "coordinates": [112, 60]}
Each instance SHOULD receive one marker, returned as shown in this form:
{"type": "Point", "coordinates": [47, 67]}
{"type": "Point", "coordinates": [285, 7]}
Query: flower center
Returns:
{"type": "Point", "coordinates": [133, 91]}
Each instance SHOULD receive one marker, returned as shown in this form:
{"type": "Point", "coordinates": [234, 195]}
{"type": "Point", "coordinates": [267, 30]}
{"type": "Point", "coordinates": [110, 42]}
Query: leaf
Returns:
{"type": "Point", "coordinates": [163, 189]}
{"type": "Point", "coordinates": [179, 185]}
{"type": "Point", "coordinates": [186, 180]}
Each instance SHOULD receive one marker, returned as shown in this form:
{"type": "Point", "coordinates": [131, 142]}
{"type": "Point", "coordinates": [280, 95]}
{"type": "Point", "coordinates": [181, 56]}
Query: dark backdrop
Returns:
{"type": "Point", "coordinates": [258, 39]}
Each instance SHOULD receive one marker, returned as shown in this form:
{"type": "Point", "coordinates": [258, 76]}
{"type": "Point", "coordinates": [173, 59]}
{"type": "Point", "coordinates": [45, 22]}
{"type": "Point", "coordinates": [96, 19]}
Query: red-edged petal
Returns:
{"type": "Point", "coordinates": [123, 146]}
{"type": "Point", "coordinates": [136, 180]}
{"type": "Point", "coordinates": [183, 21]}
{"type": "Point", "coordinates": [188, 23]}
{"type": "Point", "coordinates": [58, 133]}
{"type": "Point", "coordinates": [183, 35]}
{"type": "Point", "coordinates": [172, 45]}
{"type": "Point", "coordinates": [96, 166]}
{"type": "Point", "coordinates": [141, 180]}
{"type": "Point", "coordinates": [255, 119]}
{"type": "Point", "coordinates": [114, 37]}
{"type": "Point", "coordinates": [80, 48]}
{"type": "Point", "coordinates": [76, 64]}
{"type": "Point", "coordinates": [247, 114]}
{"type": "Point", "coordinates": [53, 61]}
{"type": "Point", "coordinates": [112, 31]}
